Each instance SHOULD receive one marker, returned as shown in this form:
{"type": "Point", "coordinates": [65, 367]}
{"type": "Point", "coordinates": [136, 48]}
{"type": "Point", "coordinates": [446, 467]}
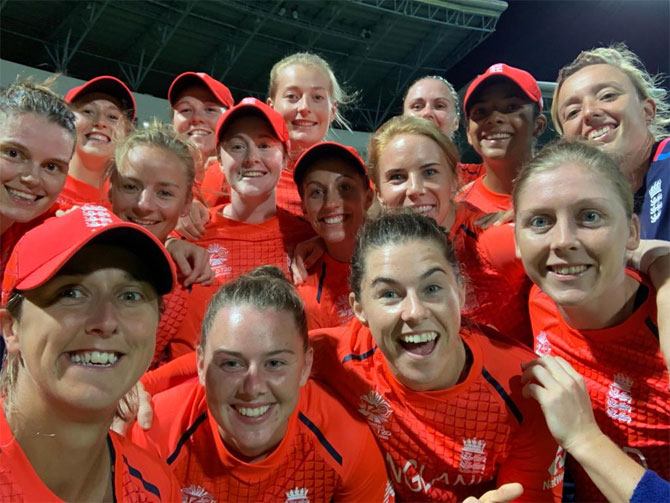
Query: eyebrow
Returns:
{"type": "Point", "coordinates": [429, 272]}
{"type": "Point", "coordinates": [593, 88]}
{"type": "Point", "coordinates": [237, 354]}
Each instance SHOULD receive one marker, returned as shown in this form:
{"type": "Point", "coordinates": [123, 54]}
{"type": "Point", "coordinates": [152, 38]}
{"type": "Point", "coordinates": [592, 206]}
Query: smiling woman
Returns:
{"type": "Point", "coordinates": [80, 299]}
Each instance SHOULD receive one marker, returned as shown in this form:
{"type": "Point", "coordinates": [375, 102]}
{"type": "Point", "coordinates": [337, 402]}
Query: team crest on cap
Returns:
{"type": "Point", "coordinates": [297, 495]}
{"type": "Point", "coordinates": [377, 411]}
{"type": "Point", "coordinates": [497, 68]}
{"type": "Point", "coordinates": [248, 101]}
{"type": "Point", "coordinates": [96, 216]}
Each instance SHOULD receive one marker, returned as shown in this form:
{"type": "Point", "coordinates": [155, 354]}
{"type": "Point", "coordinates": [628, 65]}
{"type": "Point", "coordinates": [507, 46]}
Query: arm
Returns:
{"type": "Point", "coordinates": [192, 262]}
{"type": "Point", "coordinates": [659, 273]}
{"type": "Point", "coordinates": [562, 394]}
{"type": "Point", "coordinates": [192, 226]}
{"type": "Point", "coordinates": [304, 256]}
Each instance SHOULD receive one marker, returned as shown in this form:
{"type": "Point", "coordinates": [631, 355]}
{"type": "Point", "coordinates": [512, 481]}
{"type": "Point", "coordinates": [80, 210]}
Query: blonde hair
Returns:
{"type": "Point", "coordinates": [338, 95]}
{"type": "Point", "coordinates": [646, 85]}
{"type": "Point", "coordinates": [408, 124]}
{"type": "Point", "coordinates": [448, 85]}
{"type": "Point", "coordinates": [162, 136]}
{"type": "Point", "coordinates": [588, 157]}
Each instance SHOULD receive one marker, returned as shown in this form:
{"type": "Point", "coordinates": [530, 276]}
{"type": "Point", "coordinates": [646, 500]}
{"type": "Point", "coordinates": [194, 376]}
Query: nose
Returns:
{"type": "Point", "coordinates": [415, 185]}
{"type": "Point", "coordinates": [427, 112]}
{"type": "Point", "coordinates": [102, 318]}
{"type": "Point", "coordinates": [332, 199]}
{"type": "Point", "coordinates": [197, 117]}
{"type": "Point", "coordinates": [413, 308]}
{"type": "Point", "coordinates": [252, 155]}
{"type": "Point", "coordinates": [590, 110]}
{"type": "Point", "coordinates": [303, 104]}
{"type": "Point", "coordinates": [146, 201]}
{"type": "Point", "coordinates": [31, 174]}
{"type": "Point", "coordinates": [564, 236]}
{"type": "Point", "coordinates": [254, 384]}
{"type": "Point", "coordinates": [496, 116]}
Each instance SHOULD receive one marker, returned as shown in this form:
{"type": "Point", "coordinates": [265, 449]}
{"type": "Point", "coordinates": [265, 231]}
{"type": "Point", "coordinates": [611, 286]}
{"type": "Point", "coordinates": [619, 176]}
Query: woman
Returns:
{"type": "Point", "coordinates": [252, 427]}
{"type": "Point", "coordinates": [433, 98]}
{"type": "Point", "coordinates": [104, 110]}
{"type": "Point", "coordinates": [607, 96]}
{"type": "Point", "coordinates": [151, 184]}
{"type": "Point", "coordinates": [304, 90]}
{"type": "Point", "coordinates": [574, 227]}
{"type": "Point", "coordinates": [336, 193]}
{"type": "Point", "coordinates": [80, 305]}
{"type": "Point", "coordinates": [37, 137]}
{"type": "Point", "coordinates": [250, 230]}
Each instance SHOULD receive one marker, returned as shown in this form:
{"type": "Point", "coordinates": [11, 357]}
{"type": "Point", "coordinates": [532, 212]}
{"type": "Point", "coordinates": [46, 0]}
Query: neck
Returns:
{"type": "Point", "coordinates": [251, 210]}
{"type": "Point", "coordinates": [500, 176]}
{"type": "Point", "coordinates": [341, 251]}
{"type": "Point", "coordinates": [90, 170]}
{"type": "Point", "coordinates": [295, 153]}
{"type": "Point", "coordinates": [600, 313]}
{"type": "Point", "coordinates": [636, 164]}
{"type": "Point", "coordinates": [58, 446]}
{"type": "Point", "coordinates": [5, 223]}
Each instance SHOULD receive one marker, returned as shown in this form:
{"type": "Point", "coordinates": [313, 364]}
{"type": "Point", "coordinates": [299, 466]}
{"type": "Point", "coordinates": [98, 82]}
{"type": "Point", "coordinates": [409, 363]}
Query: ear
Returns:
{"type": "Point", "coordinates": [358, 309]}
{"type": "Point", "coordinates": [202, 371]}
{"type": "Point", "coordinates": [633, 240]}
{"type": "Point", "coordinates": [469, 134]}
{"type": "Point", "coordinates": [649, 110]}
{"type": "Point", "coordinates": [461, 293]}
{"type": "Point", "coordinates": [269, 103]}
{"type": "Point", "coordinates": [333, 111]}
{"type": "Point", "coordinates": [369, 197]}
{"type": "Point", "coordinates": [307, 368]}
{"type": "Point", "coordinates": [9, 328]}
{"type": "Point", "coordinates": [540, 125]}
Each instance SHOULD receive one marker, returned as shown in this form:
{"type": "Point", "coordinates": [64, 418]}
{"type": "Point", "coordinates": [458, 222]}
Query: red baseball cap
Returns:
{"type": "Point", "coordinates": [252, 106]}
{"type": "Point", "coordinates": [108, 85]}
{"type": "Point", "coordinates": [326, 149]}
{"type": "Point", "coordinates": [220, 91]}
{"type": "Point", "coordinates": [524, 80]}
{"type": "Point", "coordinates": [45, 249]}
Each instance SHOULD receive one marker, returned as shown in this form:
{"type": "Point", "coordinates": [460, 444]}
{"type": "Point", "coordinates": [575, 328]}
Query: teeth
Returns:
{"type": "Point", "coordinates": [143, 222]}
{"type": "Point", "coordinates": [304, 123]}
{"type": "Point", "coordinates": [97, 358]}
{"type": "Point", "coordinates": [252, 412]}
{"type": "Point", "coordinates": [252, 174]}
{"type": "Point", "coordinates": [334, 220]}
{"type": "Point", "coordinates": [98, 137]}
{"type": "Point", "coordinates": [599, 132]}
{"type": "Point", "coordinates": [424, 208]}
{"type": "Point", "coordinates": [417, 338]}
{"type": "Point", "coordinates": [573, 269]}
{"type": "Point", "coordinates": [498, 136]}
{"type": "Point", "coordinates": [198, 132]}
{"type": "Point", "coordinates": [21, 195]}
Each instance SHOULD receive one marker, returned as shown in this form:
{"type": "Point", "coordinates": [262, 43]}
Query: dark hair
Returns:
{"type": "Point", "coordinates": [23, 97]}
{"type": "Point", "coordinates": [395, 227]}
{"type": "Point", "coordinates": [264, 287]}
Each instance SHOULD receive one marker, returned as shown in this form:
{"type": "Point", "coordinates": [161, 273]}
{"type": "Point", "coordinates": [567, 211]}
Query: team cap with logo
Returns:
{"type": "Point", "coordinates": [186, 79]}
{"type": "Point", "coordinates": [108, 85]}
{"type": "Point", "coordinates": [327, 149]}
{"type": "Point", "coordinates": [252, 106]}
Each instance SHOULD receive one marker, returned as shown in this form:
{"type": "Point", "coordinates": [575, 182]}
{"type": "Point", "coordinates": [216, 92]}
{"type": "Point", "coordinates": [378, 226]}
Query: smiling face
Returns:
{"type": "Point", "coordinates": [151, 189]}
{"type": "Point", "coordinates": [251, 157]}
{"type": "Point", "coordinates": [414, 172]}
{"type": "Point", "coordinates": [572, 234]}
{"type": "Point", "coordinates": [34, 157]}
{"type": "Point", "coordinates": [431, 99]}
{"type": "Point", "coordinates": [100, 121]}
{"type": "Point", "coordinates": [335, 199]}
{"type": "Point", "coordinates": [303, 98]}
{"type": "Point", "coordinates": [87, 335]}
{"type": "Point", "coordinates": [411, 300]}
{"type": "Point", "coordinates": [252, 367]}
{"type": "Point", "coordinates": [600, 103]}
{"type": "Point", "coordinates": [502, 124]}
{"type": "Point", "coordinates": [196, 112]}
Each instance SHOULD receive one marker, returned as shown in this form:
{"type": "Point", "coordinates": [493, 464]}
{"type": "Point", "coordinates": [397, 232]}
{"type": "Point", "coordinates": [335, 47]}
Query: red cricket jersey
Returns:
{"type": "Point", "coordinates": [78, 192]}
{"type": "Point", "coordinates": [288, 197]}
{"type": "Point", "coordinates": [496, 283]}
{"type": "Point", "coordinates": [236, 248]}
{"type": "Point", "coordinates": [448, 444]}
{"type": "Point", "coordinates": [139, 477]}
{"type": "Point", "coordinates": [327, 453]}
{"type": "Point", "coordinates": [214, 189]}
{"type": "Point", "coordinates": [168, 343]}
{"type": "Point", "coordinates": [326, 294]}
{"type": "Point", "coordinates": [625, 374]}
{"type": "Point", "coordinates": [469, 172]}
{"type": "Point", "coordinates": [480, 197]}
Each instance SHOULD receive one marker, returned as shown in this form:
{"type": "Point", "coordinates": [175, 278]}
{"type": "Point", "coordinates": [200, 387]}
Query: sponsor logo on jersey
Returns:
{"type": "Point", "coordinates": [555, 470]}
{"type": "Point", "coordinates": [297, 495]}
{"type": "Point", "coordinates": [542, 346]}
{"type": "Point", "coordinates": [196, 494]}
{"type": "Point", "coordinates": [655, 201]}
{"type": "Point", "coordinates": [218, 258]}
{"type": "Point", "coordinates": [412, 475]}
{"type": "Point", "coordinates": [473, 456]}
{"type": "Point", "coordinates": [377, 411]}
{"type": "Point", "coordinates": [389, 493]}
{"type": "Point", "coordinates": [95, 216]}
{"type": "Point", "coordinates": [619, 399]}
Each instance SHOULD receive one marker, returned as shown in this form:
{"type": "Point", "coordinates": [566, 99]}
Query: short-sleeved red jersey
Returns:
{"type": "Point", "coordinates": [78, 192]}
{"type": "Point", "coordinates": [448, 444]}
{"type": "Point", "coordinates": [214, 189]}
{"type": "Point", "coordinates": [168, 343]}
{"type": "Point", "coordinates": [327, 453]}
{"type": "Point", "coordinates": [288, 197]}
{"type": "Point", "coordinates": [480, 197]}
{"type": "Point", "coordinates": [469, 172]}
{"type": "Point", "coordinates": [626, 377]}
{"type": "Point", "coordinates": [139, 477]}
{"type": "Point", "coordinates": [236, 248]}
{"type": "Point", "coordinates": [496, 282]}
{"type": "Point", "coordinates": [326, 294]}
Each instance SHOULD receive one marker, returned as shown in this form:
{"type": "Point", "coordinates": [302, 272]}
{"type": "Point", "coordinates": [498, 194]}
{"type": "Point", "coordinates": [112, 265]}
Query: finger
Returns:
{"type": "Point", "coordinates": [507, 492]}
{"type": "Point", "coordinates": [145, 413]}
{"type": "Point", "coordinates": [182, 264]}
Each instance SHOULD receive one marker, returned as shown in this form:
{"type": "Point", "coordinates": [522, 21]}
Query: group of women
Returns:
{"type": "Point", "coordinates": [402, 366]}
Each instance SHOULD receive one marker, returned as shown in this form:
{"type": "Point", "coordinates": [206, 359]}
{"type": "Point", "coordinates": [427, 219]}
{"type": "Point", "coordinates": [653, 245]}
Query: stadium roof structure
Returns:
{"type": "Point", "coordinates": [376, 47]}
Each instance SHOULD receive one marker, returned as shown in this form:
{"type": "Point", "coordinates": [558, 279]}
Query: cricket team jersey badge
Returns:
{"type": "Point", "coordinates": [473, 456]}
{"type": "Point", "coordinates": [218, 258]}
{"type": "Point", "coordinates": [377, 411]}
{"type": "Point", "coordinates": [619, 398]}
{"type": "Point", "coordinates": [297, 495]}
{"type": "Point", "coordinates": [196, 494]}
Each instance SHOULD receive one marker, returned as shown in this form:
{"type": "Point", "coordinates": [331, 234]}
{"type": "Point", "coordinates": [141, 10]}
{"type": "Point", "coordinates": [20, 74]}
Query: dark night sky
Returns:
{"type": "Point", "coordinates": [541, 36]}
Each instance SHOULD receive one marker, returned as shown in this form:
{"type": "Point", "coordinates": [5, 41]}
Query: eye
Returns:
{"type": "Point", "coordinates": [433, 288]}
{"type": "Point", "coordinates": [591, 217]}
{"type": "Point", "coordinates": [231, 365]}
{"type": "Point", "coordinates": [539, 222]}
{"type": "Point", "coordinates": [236, 148]}
{"type": "Point", "coordinates": [397, 177]}
{"type": "Point", "coordinates": [12, 153]}
{"type": "Point", "coordinates": [512, 107]}
{"type": "Point", "coordinates": [388, 294]}
{"type": "Point", "coordinates": [275, 364]}
{"type": "Point", "coordinates": [184, 110]}
{"type": "Point", "coordinates": [319, 97]}
{"type": "Point", "coordinates": [213, 110]}
{"type": "Point", "coordinates": [71, 292]}
{"type": "Point", "coordinates": [114, 117]}
{"type": "Point", "coordinates": [132, 296]}
{"type": "Point", "coordinates": [316, 193]}
{"type": "Point", "coordinates": [429, 172]}
{"type": "Point", "coordinates": [164, 193]}
{"type": "Point", "coordinates": [129, 187]}
{"type": "Point", "coordinates": [291, 96]}
{"type": "Point", "coordinates": [345, 187]}
{"type": "Point", "coordinates": [416, 106]}
{"type": "Point", "coordinates": [440, 106]}
{"type": "Point", "coordinates": [52, 167]}
{"type": "Point", "coordinates": [571, 113]}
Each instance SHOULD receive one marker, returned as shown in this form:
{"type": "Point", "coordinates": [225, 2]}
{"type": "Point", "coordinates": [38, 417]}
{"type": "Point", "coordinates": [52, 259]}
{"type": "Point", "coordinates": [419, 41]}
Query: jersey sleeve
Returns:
{"type": "Point", "coordinates": [497, 242]}
{"type": "Point", "coordinates": [171, 374]}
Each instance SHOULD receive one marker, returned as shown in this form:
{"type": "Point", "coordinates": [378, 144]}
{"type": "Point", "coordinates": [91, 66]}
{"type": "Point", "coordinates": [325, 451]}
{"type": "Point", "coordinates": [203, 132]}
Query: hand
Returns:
{"type": "Point", "coordinates": [496, 218]}
{"type": "Point", "coordinates": [192, 226]}
{"type": "Point", "coordinates": [135, 405]}
{"type": "Point", "coordinates": [565, 402]}
{"type": "Point", "coordinates": [192, 262]}
{"type": "Point", "coordinates": [305, 256]}
{"type": "Point", "coordinates": [504, 494]}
